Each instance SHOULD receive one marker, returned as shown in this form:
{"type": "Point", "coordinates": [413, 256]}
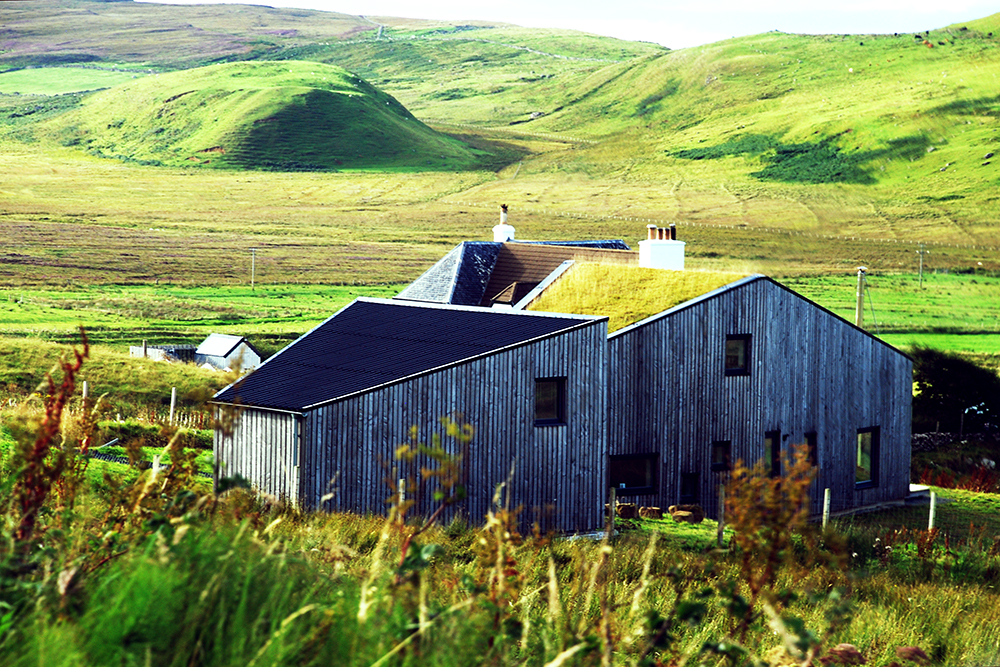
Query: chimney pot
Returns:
{"type": "Point", "coordinates": [661, 250]}
{"type": "Point", "coordinates": [503, 232]}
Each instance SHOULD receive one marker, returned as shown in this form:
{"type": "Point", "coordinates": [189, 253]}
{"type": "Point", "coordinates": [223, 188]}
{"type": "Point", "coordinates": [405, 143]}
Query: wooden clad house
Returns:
{"type": "Point", "coordinates": [744, 372]}
{"type": "Point", "coordinates": [319, 422]}
{"type": "Point", "coordinates": [656, 384]}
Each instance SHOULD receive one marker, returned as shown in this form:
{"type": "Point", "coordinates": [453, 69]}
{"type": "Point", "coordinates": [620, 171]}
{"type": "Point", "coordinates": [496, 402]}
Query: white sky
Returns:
{"type": "Point", "coordinates": [676, 23]}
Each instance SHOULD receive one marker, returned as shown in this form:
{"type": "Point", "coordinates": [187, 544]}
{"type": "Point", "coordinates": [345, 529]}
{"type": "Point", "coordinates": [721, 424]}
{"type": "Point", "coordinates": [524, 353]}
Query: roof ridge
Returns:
{"type": "Point", "coordinates": [474, 309]}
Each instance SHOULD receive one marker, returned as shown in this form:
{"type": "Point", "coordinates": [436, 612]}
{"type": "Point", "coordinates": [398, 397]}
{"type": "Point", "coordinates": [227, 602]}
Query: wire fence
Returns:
{"type": "Point", "coordinates": [770, 231]}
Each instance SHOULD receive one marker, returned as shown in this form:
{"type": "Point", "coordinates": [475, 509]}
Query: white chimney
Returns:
{"type": "Point", "coordinates": [503, 232]}
{"type": "Point", "coordinates": [661, 249]}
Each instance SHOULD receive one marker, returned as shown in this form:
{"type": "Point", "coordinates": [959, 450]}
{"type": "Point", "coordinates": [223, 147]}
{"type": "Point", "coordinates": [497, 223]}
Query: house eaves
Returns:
{"type": "Point", "coordinates": [374, 343]}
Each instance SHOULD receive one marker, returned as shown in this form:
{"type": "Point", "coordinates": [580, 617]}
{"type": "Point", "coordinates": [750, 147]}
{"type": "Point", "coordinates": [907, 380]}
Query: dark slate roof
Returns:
{"type": "Point", "coordinates": [461, 277]}
{"type": "Point", "coordinates": [474, 272]}
{"type": "Point", "coordinates": [373, 342]}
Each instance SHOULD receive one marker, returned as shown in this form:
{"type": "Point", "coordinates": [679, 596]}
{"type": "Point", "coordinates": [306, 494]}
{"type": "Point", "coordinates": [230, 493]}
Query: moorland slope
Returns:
{"type": "Point", "coordinates": [781, 152]}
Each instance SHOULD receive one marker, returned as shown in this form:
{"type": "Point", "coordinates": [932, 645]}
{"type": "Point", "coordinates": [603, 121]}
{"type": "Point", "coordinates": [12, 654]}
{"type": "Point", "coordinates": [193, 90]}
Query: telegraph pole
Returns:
{"type": "Point", "coordinates": [253, 266]}
{"type": "Point", "coordinates": [859, 312]}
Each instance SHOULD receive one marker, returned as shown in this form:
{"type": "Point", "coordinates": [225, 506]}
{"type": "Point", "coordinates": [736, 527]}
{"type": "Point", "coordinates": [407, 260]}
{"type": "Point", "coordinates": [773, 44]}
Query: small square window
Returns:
{"type": "Point", "coordinates": [721, 453]}
{"type": "Point", "coordinates": [633, 474]}
{"type": "Point", "coordinates": [866, 467]}
{"type": "Point", "coordinates": [738, 354]}
{"type": "Point", "coordinates": [550, 401]}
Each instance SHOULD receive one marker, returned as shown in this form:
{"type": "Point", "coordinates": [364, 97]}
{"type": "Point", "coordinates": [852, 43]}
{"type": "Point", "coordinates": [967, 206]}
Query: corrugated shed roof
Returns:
{"type": "Point", "coordinates": [529, 264]}
{"type": "Point", "coordinates": [461, 276]}
{"type": "Point", "coordinates": [373, 342]}
{"type": "Point", "coordinates": [218, 345]}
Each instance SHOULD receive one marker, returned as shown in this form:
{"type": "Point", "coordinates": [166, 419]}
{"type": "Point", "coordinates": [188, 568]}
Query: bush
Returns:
{"type": "Point", "coordinates": [952, 394]}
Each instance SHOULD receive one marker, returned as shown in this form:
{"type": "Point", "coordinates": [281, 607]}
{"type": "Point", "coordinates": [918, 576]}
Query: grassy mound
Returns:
{"type": "Point", "coordinates": [261, 115]}
{"type": "Point", "coordinates": [130, 385]}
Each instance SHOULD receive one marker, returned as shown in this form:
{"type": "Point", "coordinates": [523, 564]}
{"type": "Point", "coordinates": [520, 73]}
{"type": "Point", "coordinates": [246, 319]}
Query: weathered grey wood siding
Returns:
{"type": "Point", "coordinates": [810, 372]}
{"type": "Point", "coordinates": [558, 470]}
{"type": "Point", "coordinates": [348, 447]}
{"type": "Point", "coordinates": [264, 448]}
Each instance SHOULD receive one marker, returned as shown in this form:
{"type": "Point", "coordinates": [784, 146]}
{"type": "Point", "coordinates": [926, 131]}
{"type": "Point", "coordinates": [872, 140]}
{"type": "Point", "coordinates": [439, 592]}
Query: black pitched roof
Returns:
{"type": "Point", "coordinates": [461, 276]}
{"type": "Point", "coordinates": [373, 342]}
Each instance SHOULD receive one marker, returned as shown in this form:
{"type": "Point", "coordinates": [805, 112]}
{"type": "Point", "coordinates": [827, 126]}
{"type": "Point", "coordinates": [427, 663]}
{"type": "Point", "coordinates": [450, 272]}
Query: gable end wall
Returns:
{"type": "Point", "coordinates": [810, 371]}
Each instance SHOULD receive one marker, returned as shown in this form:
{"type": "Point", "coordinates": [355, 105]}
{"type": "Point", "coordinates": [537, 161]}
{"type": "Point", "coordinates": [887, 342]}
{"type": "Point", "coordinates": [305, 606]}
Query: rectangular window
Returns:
{"type": "Point", "coordinates": [772, 453]}
{"type": "Point", "coordinates": [550, 401]}
{"type": "Point", "coordinates": [811, 444]}
{"type": "Point", "coordinates": [633, 474]}
{"type": "Point", "coordinates": [866, 468]}
{"type": "Point", "coordinates": [738, 354]}
{"type": "Point", "coordinates": [690, 481]}
{"type": "Point", "coordinates": [721, 452]}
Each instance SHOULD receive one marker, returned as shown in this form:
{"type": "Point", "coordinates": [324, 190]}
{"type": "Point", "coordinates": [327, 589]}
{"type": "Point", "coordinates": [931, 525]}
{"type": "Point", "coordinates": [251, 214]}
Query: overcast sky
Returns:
{"type": "Point", "coordinates": [674, 23]}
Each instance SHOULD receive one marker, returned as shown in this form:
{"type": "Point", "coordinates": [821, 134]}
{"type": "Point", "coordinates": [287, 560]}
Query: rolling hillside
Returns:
{"type": "Point", "coordinates": [286, 116]}
{"type": "Point", "coordinates": [782, 153]}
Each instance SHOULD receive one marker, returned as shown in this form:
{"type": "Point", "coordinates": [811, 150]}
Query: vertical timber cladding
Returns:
{"type": "Point", "coordinates": [810, 372]}
{"type": "Point", "coordinates": [558, 471]}
{"type": "Point", "coordinates": [262, 448]}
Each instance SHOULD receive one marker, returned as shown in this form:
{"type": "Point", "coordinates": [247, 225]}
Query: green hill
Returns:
{"type": "Point", "coordinates": [884, 137]}
{"type": "Point", "coordinates": [289, 116]}
{"type": "Point", "coordinates": [882, 134]}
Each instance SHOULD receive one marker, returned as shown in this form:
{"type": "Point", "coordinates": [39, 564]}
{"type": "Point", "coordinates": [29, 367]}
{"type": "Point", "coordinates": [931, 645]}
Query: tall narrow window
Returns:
{"type": "Point", "coordinates": [550, 401]}
{"type": "Point", "coordinates": [633, 474]}
{"type": "Point", "coordinates": [721, 453]}
{"type": "Point", "coordinates": [738, 354]}
{"type": "Point", "coordinates": [866, 468]}
{"type": "Point", "coordinates": [772, 452]}
{"type": "Point", "coordinates": [690, 481]}
{"type": "Point", "coordinates": [811, 444]}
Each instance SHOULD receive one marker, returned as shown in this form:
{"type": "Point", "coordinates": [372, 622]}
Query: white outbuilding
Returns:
{"type": "Point", "coordinates": [225, 352]}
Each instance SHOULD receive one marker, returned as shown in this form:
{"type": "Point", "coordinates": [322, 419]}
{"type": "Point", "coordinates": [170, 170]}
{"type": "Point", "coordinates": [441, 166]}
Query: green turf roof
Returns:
{"type": "Point", "coordinates": [626, 294]}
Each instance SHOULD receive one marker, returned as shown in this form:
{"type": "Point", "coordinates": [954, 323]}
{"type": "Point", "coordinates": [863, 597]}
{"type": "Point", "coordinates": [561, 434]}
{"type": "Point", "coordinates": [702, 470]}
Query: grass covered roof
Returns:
{"type": "Point", "coordinates": [626, 294]}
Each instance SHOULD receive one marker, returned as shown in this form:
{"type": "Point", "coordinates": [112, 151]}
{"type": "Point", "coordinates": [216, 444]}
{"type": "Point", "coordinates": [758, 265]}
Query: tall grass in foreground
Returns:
{"type": "Point", "coordinates": [145, 570]}
{"type": "Point", "coordinates": [247, 584]}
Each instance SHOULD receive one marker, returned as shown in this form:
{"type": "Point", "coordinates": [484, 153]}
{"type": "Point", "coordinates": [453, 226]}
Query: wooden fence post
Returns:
{"type": "Point", "coordinates": [612, 511]}
{"type": "Point", "coordinates": [722, 515]}
{"type": "Point", "coordinates": [826, 507]}
{"type": "Point", "coordinates": [401, 485]}
{"type": "Point", "coordinates": [930, 517]}
{"type": "Point", "coordinates": [173, 403]}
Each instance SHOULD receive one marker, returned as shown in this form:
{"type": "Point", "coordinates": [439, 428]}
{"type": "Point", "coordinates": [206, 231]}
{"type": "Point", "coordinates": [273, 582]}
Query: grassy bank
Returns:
{"type": "Point", "coordinates": [248, 584]}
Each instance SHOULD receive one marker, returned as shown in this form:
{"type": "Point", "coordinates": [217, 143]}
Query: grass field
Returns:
{"type": "Point", "coordinates": [954, 312]}
{"type": "Point", "coordinates": [61, 80]}
{"type": "Point", "coordinates": [270, 315]}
